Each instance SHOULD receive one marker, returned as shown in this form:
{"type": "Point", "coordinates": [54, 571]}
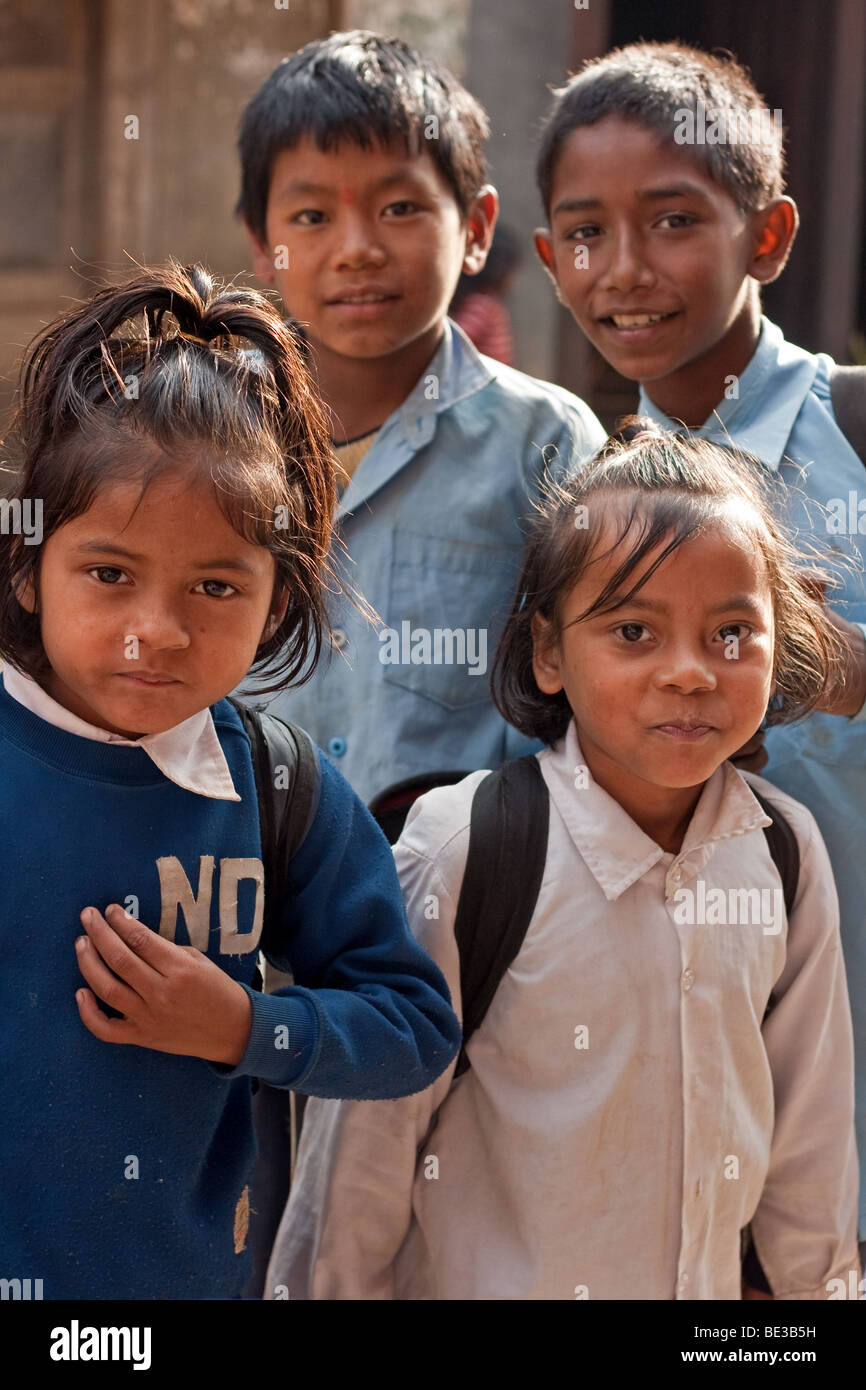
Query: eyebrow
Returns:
{"type": "Point", "coordinates": [648, 195]}
{"type": "Point", "coordinates": [739, 602]}
{"type": "Point", "coordinates": [305, 187]}
{"type": "Point", "coordinates": [101, 547]}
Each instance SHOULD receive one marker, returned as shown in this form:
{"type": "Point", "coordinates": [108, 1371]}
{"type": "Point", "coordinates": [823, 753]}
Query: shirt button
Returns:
{"type": "Point", "coordinates": [683, 1282]}
{"type": "Point", "coordinates": [676, 875]}
{"type": "Point", "coordinates": [338, 638]}
{"type": "Point", "coordinates": [687, 979]}
{"type": "Point", "coordinates": [336, 747]}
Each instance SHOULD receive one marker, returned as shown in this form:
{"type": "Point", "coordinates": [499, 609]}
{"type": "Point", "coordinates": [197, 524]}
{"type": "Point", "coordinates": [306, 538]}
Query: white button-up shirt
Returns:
{"type": "Point", "coordinates": [628, 1111]}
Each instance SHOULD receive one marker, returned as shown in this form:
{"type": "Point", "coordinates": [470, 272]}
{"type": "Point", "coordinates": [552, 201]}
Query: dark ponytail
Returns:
{"type": "Point", "coordinates": [176, 370]}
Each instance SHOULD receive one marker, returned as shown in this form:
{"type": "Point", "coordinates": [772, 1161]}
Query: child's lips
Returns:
{"type": "Point", "coordinates": [685, 733]}
{"type": "Point", "coordinates": [364, 305]}
{"type": "Point", "coordinates": [147, 678]}
{"type": "Point", "coordinates": [638, 326]}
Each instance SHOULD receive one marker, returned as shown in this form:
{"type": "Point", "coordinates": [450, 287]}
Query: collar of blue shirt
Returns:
{"type": "Point", "coordinates": [456, 370]}
{"type": "Point", "coordinates": [754, 417]}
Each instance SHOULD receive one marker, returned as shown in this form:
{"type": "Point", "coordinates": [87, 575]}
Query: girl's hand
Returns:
{"type": "Point", "coordinates": [172, 998]}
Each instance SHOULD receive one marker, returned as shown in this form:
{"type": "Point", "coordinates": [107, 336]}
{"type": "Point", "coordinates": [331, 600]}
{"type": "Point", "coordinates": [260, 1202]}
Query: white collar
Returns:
{"type": "Point", "coordinates": [190, 754]}
{"type": "Point", "coordinates": [614, 848]}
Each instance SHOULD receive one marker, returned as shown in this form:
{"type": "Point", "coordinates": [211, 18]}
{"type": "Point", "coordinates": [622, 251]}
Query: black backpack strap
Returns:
{"type": "Point", "coordinates": [504, 869]}
{"type": "Point", "coordinates": [784, 850]}
{"type": "Point", "coordinates": [848, 394]}
{"type": "Point", "coordinates": [785, 853]}
{"type": "Point", "coordinates": [288, 780]}
{"type": "Point", "coordinates": [288, 785]}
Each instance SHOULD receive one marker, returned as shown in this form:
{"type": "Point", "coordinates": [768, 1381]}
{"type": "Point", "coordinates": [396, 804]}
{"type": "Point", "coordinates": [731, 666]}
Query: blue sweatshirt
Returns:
{"type": "Point", "coordinates": [122, 1169]}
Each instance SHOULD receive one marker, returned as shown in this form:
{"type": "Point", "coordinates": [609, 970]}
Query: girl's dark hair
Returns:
{"type": "Point", "coordinates": [113, 391]}
{"type": "Point", "coordinates": [673, 488]}
{"type": "Point", "coordinates": [657, 85]}
{"type": "Point", "coordinates": [364, 89]}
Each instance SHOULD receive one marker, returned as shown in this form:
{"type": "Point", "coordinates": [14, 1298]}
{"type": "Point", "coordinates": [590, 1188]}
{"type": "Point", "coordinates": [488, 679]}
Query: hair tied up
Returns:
{"type": "Point", "coordinates": [637, 429]}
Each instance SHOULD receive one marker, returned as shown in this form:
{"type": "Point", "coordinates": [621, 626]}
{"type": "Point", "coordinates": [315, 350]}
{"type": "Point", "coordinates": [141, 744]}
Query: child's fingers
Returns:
{"type": "Point", "coordinates": [124, 945]}
{"type": "Point", "coordinates": [109, 989]}
{"type": "Point", "coordinates": [114, 1030]}
{"type": "Point", "coordinates": [147, 945]}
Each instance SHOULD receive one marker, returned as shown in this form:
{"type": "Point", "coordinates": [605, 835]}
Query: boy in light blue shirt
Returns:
{"type": "Point", "coordinates": [364, 194]}
{"type": "Point", "coordinates": [659, 238]}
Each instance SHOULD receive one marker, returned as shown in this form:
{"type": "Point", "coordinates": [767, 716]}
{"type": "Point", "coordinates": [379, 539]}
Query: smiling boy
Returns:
{"type": "Point", "coordinates": [364, 194]}
{"type": "Point", "coordinates": [659, 248]}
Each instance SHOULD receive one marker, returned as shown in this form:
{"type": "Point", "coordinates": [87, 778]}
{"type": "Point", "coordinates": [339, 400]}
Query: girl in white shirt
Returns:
{"type": "Point", "coordinates": [632, 1104]}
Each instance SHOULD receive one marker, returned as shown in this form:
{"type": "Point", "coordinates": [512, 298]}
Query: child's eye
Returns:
{"type": "Point", "coordinates": [308, 217]}
{"type": "Point", "coordinates": [632, 632]}
{"type": "Point", "coordinates": [675, 220]}
{"type": "Point", "coordinates": [401, 208]}
{"type": "Point", "coordinates": [583, 233]}
{"type": "Point", "coordinates": [207, 586]}
{"type": "Point", "coordinates": [107, 574]}
{"type": "Point", "coordinates": [739, 630]}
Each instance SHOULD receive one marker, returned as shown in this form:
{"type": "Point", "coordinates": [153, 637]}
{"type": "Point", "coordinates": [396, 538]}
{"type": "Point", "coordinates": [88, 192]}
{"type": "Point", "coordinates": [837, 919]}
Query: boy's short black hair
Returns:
{"type": "Point", "coordinates": [366, 89]}
{"type": "Point", "coordinates": [655, 85]}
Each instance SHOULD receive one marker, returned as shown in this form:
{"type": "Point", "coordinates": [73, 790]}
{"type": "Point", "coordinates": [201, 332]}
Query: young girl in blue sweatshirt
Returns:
{"type": "Point", "coordinates": [176, 483]}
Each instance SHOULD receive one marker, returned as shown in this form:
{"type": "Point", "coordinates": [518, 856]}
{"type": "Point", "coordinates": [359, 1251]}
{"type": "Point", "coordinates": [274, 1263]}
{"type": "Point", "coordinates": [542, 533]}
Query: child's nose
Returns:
{"type": "Point", "coordinates": [627, 267]}
{"type": "Point", "coordinates": [687, 668]}
{"type": "Point", "coordinates": [358, 244]}
{"type": "Point", "coordinates": [159, 626]}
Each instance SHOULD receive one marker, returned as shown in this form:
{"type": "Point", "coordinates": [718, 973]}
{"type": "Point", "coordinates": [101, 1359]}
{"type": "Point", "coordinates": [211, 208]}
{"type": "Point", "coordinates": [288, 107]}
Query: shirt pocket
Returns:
{"type": "Point", "coordinates": [447, 605]}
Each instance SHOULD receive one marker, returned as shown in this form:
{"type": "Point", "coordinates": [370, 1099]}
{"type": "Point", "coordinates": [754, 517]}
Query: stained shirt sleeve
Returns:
{"type": "Point", "coordinates": [368, 1015]}
{"type": "Point", "coordinates": [805, 1226]}
{"type": "Point", "coordinates": [351, 1203]}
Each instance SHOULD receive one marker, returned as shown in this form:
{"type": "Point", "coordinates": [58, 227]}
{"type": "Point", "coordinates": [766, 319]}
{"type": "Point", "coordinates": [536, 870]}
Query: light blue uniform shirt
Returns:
{"type": "Point", "coordinates": [784, 416]}
{"type": "Point", "coordinates": [434, 520]}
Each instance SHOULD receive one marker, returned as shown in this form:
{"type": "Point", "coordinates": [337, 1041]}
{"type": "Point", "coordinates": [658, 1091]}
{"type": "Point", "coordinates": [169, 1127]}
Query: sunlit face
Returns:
{"type": "Point", "coordinates": [365, 246]}
{"type": "Point", "coordinates": [664, 275]}
{"type": "Point", "coordinates": [670, 684]}
{"type": "Point", "coordinates": [151, 612]}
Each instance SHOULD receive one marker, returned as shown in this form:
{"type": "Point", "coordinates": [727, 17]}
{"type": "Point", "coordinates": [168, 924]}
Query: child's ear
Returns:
{"type": "Point", "coordinates": [263, 261]}
{"type": "Point", "coordinates": [544, 247]}
{"type": "Point", "coordinates": [25, 592]}
{"type": "Point", "coordinates": [774, 230]}
{"type": "Point", "coordinates": [276, 615]}
{"type": "Point", "coordinates": [545, 657]}
{"type": "Point", "coordinates": [480, 222]}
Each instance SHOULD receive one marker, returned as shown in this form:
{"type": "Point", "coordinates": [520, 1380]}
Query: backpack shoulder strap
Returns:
{"type": "Point", "coordinates": [288, 784]}
{"type": "Point", "coordinates": [504, 869]}
{"type": "Point", "coordinates": [848, 394]}
{"type": "Point", "coordinates": [784, 850]}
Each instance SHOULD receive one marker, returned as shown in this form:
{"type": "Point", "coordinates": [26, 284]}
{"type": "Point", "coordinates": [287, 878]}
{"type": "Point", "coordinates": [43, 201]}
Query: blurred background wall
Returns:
{"type": "Point", "coordinates": [118, 123]}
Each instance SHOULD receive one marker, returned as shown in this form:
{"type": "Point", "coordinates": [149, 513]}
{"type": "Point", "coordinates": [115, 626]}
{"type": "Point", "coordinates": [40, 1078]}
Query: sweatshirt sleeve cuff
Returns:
{"type": "Point", "coordinates": [284, 1036]}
